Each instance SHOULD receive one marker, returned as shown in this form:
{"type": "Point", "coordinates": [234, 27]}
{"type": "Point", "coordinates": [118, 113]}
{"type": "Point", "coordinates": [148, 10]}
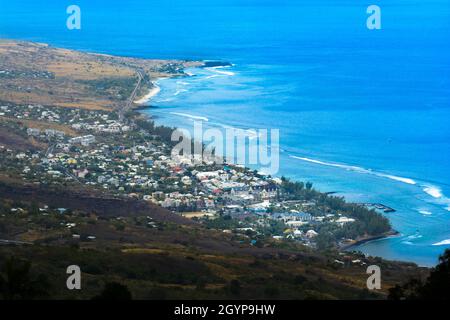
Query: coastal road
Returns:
{"type": "Point", "coordinates": [127, 107]}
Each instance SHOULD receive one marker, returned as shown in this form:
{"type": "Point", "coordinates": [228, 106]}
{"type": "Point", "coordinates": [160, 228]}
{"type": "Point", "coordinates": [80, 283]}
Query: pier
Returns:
{"type": "Point", "coordinates": [379, 206]}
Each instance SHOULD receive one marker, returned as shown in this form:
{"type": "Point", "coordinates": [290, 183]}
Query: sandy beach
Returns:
{"type": "Point", "coordinates": [145, 99]}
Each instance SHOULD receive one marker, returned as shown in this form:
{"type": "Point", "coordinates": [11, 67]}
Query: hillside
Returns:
{"type": "Point", "coordinates": [97, 200]}
{"type": "Point", "coordinates": [40, 74]}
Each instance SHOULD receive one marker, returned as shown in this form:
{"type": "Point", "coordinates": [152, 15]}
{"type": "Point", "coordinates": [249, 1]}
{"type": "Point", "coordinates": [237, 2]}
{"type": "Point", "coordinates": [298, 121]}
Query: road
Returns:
{"type": "Point", "coordinates": [127, 107]}
{"type": "Point", "coordinates": [15, 242]}
{"type": "Point", "coordinates": [59, 167]}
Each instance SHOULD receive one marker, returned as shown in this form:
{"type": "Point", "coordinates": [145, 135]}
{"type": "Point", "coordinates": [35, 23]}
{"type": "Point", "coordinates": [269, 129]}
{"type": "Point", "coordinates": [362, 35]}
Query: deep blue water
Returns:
{"type": "Point", "coordinates": [371, 108]}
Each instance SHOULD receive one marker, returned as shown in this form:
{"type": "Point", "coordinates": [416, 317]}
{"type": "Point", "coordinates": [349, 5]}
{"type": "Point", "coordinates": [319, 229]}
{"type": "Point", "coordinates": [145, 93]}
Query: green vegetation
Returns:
{"type": "Point", "coordinates": [435, 287]}
{"type": "Point", "coordinates": [17, 282]}
{"type": "Point", "coordinates": [143, 261]}
{"type": "Point", "coordinates": [368, 222]}
{"type": "Point", "coordinates": [120, 86]}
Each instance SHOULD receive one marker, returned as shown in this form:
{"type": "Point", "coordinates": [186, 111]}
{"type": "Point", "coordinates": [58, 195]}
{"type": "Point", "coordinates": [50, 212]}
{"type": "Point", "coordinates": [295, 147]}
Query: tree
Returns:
{"type": "Point", "coordinates": [114, 291]}
{"type": "Point", "coordinates": [34, 208]}
{"type": "Point", "coordinates": [235, 287]}
{"type": "Point", "coordinates": [436, 286]}
{"type": "Point", "coordinates": [438, 283]}
{"type": "Point", "coordinates": [17, 283]}
{"type": "Point", "coordinates": [271, 291]}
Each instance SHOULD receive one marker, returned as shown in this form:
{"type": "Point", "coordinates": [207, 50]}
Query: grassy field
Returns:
{"type": "Point", "coordinates": [34, 73]}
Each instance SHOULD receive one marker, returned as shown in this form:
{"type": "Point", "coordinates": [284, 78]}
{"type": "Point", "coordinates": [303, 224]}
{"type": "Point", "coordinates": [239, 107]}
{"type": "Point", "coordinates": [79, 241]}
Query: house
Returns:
{"type": "Point", "coordinates": [33, 132]}
{"type": "Point", "coordinates": [298, 233]}
{"type": "Point", "coordinates": [186, 180]}
{"type": "Point", "coordinates": [311, 234]}
{"type": "Point", "coordinates": [101, 179]}
{"type": "Point", "coordinates": [292, 216]}
{"type": "Point", "coordinates": [81, 173]}
{"type": "Point", "coordinates": [83, 140]}
{"type": "Point", "coordinates": [71, 161]}
{"type": "Point", "coordinates": [207, 174]}
{"type": "Point", "coordinates": [54, 172]}
{"type": "Point", "coordinates": [54, 133]}
{"type": "Point", "coordinates": [295, 223]}
{"type": "Point", "coordinates": [343, 220]}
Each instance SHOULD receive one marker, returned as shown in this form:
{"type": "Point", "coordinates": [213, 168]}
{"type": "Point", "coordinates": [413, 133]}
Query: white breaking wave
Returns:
{"type": "Point", "coordinates": [180, 91]}
{"type": "Point", "coordinates": [248, 133]}
{"type": "Point", "coordinates": [353, 168]}
{"type": "Point", "coordinates": [442, 243]}
{"type": "Point", "coordinates": [220, 71]}
{"type": "Point", "coordinates": [401, 179]}
{"type": "Point", "coordinates": [190, 116]}
{"type": "Point", "coordinates": [153, 92]}
{"type": "Point", "coordinates": [425, 212]}
{"type": "Point", "coordinates": [437, 194]}
{"type": "Point", "coordinates": [409, 239]}
{"type": "Point", "coordinates": [414, 236]}
{"type": "Point", "coordinates": [166, 100]}
{"type": "Point", "coordinates": [213, 76]}
{"type": "Point", "coordinates": [433, 191]}
{"type": "Point", "coordinates": [358, 169]}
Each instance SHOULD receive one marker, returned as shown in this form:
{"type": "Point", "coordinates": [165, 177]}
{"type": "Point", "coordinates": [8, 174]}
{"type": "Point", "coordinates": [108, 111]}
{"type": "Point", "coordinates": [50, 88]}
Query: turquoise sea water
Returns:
{"type": "Point", "coordinates": [362, 113]}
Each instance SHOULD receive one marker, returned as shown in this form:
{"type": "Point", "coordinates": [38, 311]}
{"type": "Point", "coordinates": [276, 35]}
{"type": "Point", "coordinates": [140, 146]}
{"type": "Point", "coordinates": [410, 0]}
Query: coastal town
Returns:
{"type": "Point", "coordinates": [95, 149]}
{"type": "Point", "coordinates": [87, 177]}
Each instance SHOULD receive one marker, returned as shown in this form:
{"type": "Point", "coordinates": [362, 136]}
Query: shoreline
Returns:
{"type": "Point", "coordinates": [360, 241]}
{"type": "Point", "coordinates": [144, 104]}
{"type": "Point", "coordinates": [142, 101]}
{"type": "Point", "coordinates": [146, 99]}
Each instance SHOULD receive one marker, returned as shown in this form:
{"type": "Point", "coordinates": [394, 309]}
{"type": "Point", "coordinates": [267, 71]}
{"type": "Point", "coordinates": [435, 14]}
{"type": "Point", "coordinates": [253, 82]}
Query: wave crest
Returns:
{"type": "Point", "coordinates": [190, 116]}
{"type": "Point", "coordinates": [442, 243]}
{"type": "Point", "coordinates": [358, 169]}
{"type": "Point", "coordinates": [220, 71]}
{"type": "Point", "coordinates": [433, 191]}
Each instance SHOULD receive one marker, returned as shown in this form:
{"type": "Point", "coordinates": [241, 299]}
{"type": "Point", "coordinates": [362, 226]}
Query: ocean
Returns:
{"type": "Point", "coordinates": [363, 113]}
